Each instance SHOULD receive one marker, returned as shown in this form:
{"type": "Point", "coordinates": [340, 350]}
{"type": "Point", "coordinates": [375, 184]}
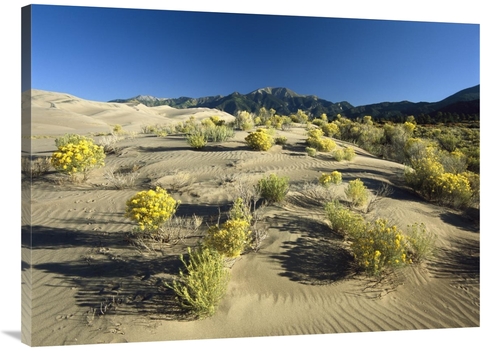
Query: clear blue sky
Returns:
{"type": "Point", "coordinates": [108, 53]}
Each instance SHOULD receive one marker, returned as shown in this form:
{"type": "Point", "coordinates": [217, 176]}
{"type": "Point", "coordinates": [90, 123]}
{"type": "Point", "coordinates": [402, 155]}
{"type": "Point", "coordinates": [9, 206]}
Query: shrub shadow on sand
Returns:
{"type": "Point", "coordinates": [460, 260]}
{"type": "Point", "coordinates": [317, 257]}
{"type": "Point", "coordinates": [111, 276]}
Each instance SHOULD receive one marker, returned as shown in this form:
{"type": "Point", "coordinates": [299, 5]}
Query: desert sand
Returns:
{"type": "Point", "coordinates": [84, 283]}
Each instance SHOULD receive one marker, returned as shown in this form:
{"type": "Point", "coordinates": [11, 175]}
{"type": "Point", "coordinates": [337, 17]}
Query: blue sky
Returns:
{"type": "Point", "coordinates": [107, 53]}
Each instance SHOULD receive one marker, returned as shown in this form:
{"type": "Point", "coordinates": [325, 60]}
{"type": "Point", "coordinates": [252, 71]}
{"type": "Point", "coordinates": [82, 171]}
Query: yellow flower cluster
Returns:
{"type": "Point", "coordinates": [259, 140]}
{"type": "Point", "coordinates": [151, 208]}
{"type": "Point", "coordinates": [315, 139]}
{"type": "Point", "coordinates": [453, 188]}
{"type": "Point", "coordinates": [333, 178]}
{"type": "Point", "coordinates": [331, 129]}
{"type": "Point", "coordinates": [78, 157]}
{"type": "Point", "coordinates": [230, 239]}
{"type": "Point", "coordinates": [379, 247]}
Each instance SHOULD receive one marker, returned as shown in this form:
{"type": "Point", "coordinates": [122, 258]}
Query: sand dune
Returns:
{"type": "Point", "coordinates": [57, 113]}
{"type": "Point", "coordinates": [300, 281]}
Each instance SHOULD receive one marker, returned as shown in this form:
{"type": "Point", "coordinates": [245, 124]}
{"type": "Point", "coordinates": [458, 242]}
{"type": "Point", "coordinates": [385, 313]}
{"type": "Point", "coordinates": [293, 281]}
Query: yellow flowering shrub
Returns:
{"type": "Point", "coordinates": [259, 140]}
{"type": "Point", "coordinates": [332, 178]}
{"type": "Point", "coordinates": [429, 177]}
{"type": "Point", "coordinates": [71, 139]}
{"type": "Point", "coordinates": [315, 139]}
{"type": "Point", "coordinates": [217, 120]}
{"type": "Point", "coordinates": [79, 157]}
{"type": "Point", "coordinates": [331, 129]}
{"type": "Point", "coordinates": [230, 239]}
{"type": "Point", "coordinates": [423, 173]}
{"type": "Point", "coordinates": [378, 247]}
{"type": "Point", "coordinates": [357, 192]}
{"type": "Point", "coordinates": [207, 122]}
{"type": "Point", "coordinates": [453, 189]}
{"type": "Point", "coordinates": [151, 208]}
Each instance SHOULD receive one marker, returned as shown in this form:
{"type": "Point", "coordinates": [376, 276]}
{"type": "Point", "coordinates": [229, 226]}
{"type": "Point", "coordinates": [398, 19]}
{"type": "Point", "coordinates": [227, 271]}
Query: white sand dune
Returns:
{"type": "Point", "coordinates": [300, 282]}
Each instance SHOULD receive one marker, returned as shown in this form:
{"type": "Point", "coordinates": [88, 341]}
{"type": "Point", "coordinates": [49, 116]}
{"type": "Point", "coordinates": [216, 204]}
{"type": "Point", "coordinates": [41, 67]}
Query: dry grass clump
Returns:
{"type": "Point", "coordinates": [316, 193]}
{"type": "Point", "coordinates": [181, 180]}
{"type": "Point", "coordinates": [176, 181]}
{"type": "Point", "coordinates": [109, 142]}
{"type": "Point", "coordinates": [421, 242]}
{"type": "Point", "coordinates": [35, 168]}
{"type": "Point", "coordinates": [122, 179]}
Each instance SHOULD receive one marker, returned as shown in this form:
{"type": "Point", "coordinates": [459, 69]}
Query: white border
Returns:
{"type": "Point", "coordinates": [479, 11]}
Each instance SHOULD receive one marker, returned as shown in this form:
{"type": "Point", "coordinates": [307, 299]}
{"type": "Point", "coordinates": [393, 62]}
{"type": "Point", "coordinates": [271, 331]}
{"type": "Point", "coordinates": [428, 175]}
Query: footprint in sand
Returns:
{"type": "Point", "coordinates": [66, 316]}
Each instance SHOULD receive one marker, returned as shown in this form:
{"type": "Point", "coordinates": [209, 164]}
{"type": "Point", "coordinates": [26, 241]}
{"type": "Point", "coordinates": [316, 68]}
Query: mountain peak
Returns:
{"type": "Point", "coordinates": [278, 92]}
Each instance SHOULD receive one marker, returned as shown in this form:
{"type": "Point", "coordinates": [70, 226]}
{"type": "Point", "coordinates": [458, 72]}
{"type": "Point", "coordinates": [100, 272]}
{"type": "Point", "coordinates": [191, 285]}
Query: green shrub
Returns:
{"type": "Point", "coordinates": [259, 140]}
{"type": "Point", "coordinates": [343, 154]}
{"type": "Point", "coordinates": [357, 192]}
{"type": "Point", "coordinates": [158, 130]}
{"type": "Point", "coordinates": [203, 282]}
{"type": "Point", "coordinates": [280, 140]}
{"type": "Point", "coordinates": [273, 188]}
{"type": "Point", "coordinates": [311, 151]}
{"type": "Point", "coordinates": [453, 162]}
{"type": "Point", "coordinates": [79, 157]}
{"type": "Point", "coordinates": [333, 178]}
{"type": "Point", "coordinates": [378, 247]}
{"type": "Point", "coordinates": [117, 129]}
{"type": "Point", "coordinates": [421, 243]}
{"type": "Point", "coordinates": [218, 133]}
{"type": "Point", "coordinates": [349, 153]}
{"type": "Point", "coordinates": [344, 221]}
{"type": "Point", "coordinates": [244, 120]}
{"type": "Point", "coordinates": [151, 208]}
{"type": "Point", "coordinates": [196, 140]}
{"type": "Point", "coordinates": [240, 210]}
{"type": "Point", "coordinates": [230, 239]}
{"type": "Point", "coordinates": [448, 141]}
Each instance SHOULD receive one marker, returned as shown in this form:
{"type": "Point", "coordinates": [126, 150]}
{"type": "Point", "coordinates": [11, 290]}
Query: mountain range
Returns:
{"type": "Point", "coordinates": [286, 102]}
